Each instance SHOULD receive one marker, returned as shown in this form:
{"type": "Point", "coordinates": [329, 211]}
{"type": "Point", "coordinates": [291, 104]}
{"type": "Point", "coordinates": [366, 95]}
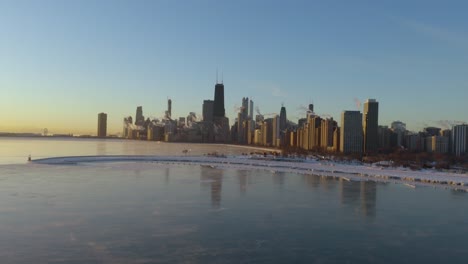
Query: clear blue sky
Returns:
{"type": "Point", "coordinates": [63, 62]}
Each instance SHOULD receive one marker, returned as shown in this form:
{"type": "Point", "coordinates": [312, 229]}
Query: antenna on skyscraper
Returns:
{"type": "Point", "coordinates": [222, 78]}
{"type": "Point", "coordinates": [216, 75]}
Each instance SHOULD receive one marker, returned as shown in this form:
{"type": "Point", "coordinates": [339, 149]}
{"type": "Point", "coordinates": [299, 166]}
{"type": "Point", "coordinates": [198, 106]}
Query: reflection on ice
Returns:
{"type": "Point", "coordinates": [362, 193]}
{"type": "Point", "coordinates": [213, 177]}
{"type": "Point", "coordinates": [243, 179]}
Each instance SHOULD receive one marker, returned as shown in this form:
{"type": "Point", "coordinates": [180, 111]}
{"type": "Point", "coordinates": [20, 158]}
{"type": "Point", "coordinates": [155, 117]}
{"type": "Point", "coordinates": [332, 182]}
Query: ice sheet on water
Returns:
{"type": "Point", "coordinates": [330, 169]}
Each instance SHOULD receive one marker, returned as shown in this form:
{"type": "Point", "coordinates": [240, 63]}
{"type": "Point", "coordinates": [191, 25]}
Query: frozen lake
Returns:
{"type": "Point", "coordinates": [147, 212]}
{"type": "Point", "coordinates": [156, 213]}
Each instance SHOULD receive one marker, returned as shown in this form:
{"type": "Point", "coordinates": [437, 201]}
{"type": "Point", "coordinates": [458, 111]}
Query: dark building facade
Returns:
{"type": "Point", "coordinates": [371, 126]}
{"type": "Point", "coordinates": [283, 119]}
{"type": "Point", "coordinates": [221, 122]}
{"type": "Point", "coordinates": [139, 118]}
{"type": "Point", "coordinates": [384, 134]}
{"type": "Point", "coordinates": [351, 132]}
{"type": "Point", "coordinates": [208, 107]}
{"type": "Point", "coordinates": [169, 109]}
{"type": "Point", "coordinates": [245, 108]}
{"type": "Point", "coordinates": [102, 125]}
{"type": "Point", "coordinates": [432, 131]}
{"type": "Point", "coordinates": [218, 107]}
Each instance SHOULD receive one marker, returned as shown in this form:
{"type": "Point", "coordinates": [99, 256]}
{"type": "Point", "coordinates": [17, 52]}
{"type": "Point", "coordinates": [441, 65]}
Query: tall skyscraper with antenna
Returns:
{"type": "Point", "coordinates": [218, 106]}
{"type": "Point", "coordinates": [221, 122]}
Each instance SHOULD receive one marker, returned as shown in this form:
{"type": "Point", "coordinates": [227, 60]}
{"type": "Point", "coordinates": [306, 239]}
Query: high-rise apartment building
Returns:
{"type": "Point", "coordinates": [305, 137]}
{"type": "Point", "coordinates": [314, 132]}
{"type": "Point", "coordinates": [267, 132]}
{"type": "Point", "coordinates": [276, 131]}
{"type": "Point", "coordinates": [328, 127]}
{"type": "Point", "coordinates": [240, 128]}
{"type": "Point", "coordinates": [460, 140]}
{"type": "Point", "coordinates": [208, 107]}
{"type": "Point", "coordinates": [448, 134]}
{"type": "Point", "coordinates": [102, 125]}
{"type": "Point", "coordinates": [413, 142]}
{"type": "Point", "coordinates": [370, 125]}
{"type": "Point", "coordinates": [351, 132]}
{"type": "Point", "coordinates": [437, 144]}
{"type": "Point", "coordinates": [336, 139]}
{"type": "Point", "coordinates": [128, 121]}
{"type": "Point", "coordinates": [250, 130]}
{"type": "Point", "coordinates": [384, 134]}
{"type": "Point", "coordinates": [245, 108]}
{"type": "Point", "coordinates": [399, 128]}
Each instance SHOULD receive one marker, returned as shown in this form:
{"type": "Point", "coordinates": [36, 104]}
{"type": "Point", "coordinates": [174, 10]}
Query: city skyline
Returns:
{"type": "Point", "coordinates": [63, 62]}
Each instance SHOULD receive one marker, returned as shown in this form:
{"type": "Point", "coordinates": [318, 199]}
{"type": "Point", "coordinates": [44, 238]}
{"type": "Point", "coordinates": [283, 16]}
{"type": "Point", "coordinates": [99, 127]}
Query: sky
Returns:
{"type": "Point", "coordinates": [63, 62]}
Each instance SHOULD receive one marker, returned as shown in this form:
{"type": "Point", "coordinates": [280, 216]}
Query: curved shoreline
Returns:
{"type": "Point", "coordinates": [327, 169]}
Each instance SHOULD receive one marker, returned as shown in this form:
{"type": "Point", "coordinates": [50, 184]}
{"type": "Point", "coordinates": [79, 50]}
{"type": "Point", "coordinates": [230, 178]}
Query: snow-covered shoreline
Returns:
{"type": "Point", "coordinates": [321, 168]}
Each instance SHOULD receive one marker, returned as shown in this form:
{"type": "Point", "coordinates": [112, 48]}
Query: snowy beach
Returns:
{"type": "Point", "coordinates": [355, 172]}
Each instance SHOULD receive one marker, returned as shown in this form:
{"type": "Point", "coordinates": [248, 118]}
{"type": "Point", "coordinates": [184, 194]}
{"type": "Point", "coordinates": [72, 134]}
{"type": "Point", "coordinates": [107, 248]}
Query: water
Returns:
{"type": "Point", "coordinates": [17, 150]}
{"type": "Point", "coordinates": [156, 213]}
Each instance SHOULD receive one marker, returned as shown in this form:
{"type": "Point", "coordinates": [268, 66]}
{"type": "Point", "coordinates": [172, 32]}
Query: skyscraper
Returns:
{"type": "Point", "coordinates": [240, 127]}
{"type": "Point", "coordinates": [102, 125]}
{"type": "Point", "coordinates": [371, 126]}
{"type": "Point", "coordinates": [169, 107]}
{"type": "Point", "coordinates": [399, 128]}
{"type": "Point", "coordinates": [245, 108]}
{"type": "Point", "coordinates": [384, 134]}
{"type": "Point", "coordinates": [128, 121]}
{"type": "Point", "coordinates": [208, 107]}
{"type": "Point", "coordinates": [283, 119]}
{"type": "Point", "coordinates": [218, 107]}
{"type": "Point", "coordinates": [221, 122]}
{"type": "Point", "coordinates": [251, 109]}
{"type": "Point", "coordinates": [314, 131]}
{"type": "Point", "coordinates": [139, 118]}
{"type": "Point", "coordinates": [351, 132]}
{"type": "Point", "coordinates": [460, 140]}
{"type": "Point", "coordinates": [328, 127]}
{"type": "Point", "coordinates": [276, 138]}
{"type": "Point", "coordinates": [437, 144]}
